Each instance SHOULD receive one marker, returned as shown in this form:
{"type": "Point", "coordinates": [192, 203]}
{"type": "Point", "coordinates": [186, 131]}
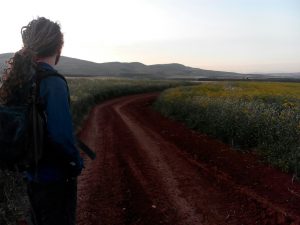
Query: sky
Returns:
{"type": "Point", "coordinates": [248, 36]}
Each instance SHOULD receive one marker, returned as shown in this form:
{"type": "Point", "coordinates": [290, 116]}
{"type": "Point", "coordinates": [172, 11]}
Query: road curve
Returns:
{"type": "Point", "coordinates": [150, 170]}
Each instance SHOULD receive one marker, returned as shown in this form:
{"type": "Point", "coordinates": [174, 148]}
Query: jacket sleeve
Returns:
{"type": "Point", "coordinates": [54, 92]}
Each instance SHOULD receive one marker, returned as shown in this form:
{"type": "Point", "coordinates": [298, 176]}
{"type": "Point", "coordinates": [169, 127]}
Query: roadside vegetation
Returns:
{"type": "Point", "coordinates": [85, 93]}
{"type": "Point", "coordinates": [252, 116]}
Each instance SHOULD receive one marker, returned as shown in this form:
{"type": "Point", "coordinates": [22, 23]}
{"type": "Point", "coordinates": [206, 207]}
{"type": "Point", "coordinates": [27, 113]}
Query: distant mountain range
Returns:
{"type": "Point", "coordinates": [77, 67]}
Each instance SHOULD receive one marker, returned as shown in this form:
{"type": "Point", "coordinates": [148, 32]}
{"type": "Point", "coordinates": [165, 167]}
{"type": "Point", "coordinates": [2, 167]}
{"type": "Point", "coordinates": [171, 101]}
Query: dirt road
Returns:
{"type": "Point", "coordinates": [150, 170]}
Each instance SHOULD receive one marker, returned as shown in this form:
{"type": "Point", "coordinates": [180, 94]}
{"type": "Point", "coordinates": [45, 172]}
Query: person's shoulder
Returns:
{"type": "Point", "coordinates": [54, 86]}
{"type": "Point", "coordinates": [54, 80]}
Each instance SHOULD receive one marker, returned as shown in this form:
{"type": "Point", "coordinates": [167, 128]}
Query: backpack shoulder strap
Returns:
{"type": "Point", "coordinates": [43, 75]}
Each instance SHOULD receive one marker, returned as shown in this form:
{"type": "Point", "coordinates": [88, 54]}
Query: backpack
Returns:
{"type": "Point", "coordinates": [22, 129]}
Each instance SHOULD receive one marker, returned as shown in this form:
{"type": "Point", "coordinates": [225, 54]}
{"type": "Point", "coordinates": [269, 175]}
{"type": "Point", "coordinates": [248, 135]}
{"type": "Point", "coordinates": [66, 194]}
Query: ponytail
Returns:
{"type": "Point", "coordinates": [21, 69]}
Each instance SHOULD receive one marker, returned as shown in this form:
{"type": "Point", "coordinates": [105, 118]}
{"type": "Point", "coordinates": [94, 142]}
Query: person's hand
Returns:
{"type": "Point", "coordinates": [74, 168]}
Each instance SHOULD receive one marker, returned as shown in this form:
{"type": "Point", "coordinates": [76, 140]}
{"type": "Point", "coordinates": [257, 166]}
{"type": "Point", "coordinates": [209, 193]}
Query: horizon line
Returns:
{"type": "Point", "coordinates": [256, 73]}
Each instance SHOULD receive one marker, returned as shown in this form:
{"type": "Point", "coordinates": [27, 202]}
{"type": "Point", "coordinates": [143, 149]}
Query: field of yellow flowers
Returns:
{"type": "Point", "coordinates": [260, 116]}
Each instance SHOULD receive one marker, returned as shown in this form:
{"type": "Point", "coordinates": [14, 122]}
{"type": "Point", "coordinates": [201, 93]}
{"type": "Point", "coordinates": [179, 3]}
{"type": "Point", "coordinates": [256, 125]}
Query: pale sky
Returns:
{"type": "Point", "coordinates": [232, 35]}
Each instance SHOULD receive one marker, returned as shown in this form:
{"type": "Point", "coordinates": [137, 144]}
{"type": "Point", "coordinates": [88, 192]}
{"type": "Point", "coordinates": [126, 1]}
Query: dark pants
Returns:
{"type": "Point", "coordinates": [54, 203]}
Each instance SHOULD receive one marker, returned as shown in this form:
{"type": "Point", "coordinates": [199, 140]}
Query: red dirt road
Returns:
{"type": "Point", "coordinates": [150, 170]}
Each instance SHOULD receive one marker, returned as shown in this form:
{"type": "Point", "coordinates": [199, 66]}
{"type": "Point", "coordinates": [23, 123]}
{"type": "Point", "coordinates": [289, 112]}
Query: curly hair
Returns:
{"type": "Point", "coordinates": [41, 38]}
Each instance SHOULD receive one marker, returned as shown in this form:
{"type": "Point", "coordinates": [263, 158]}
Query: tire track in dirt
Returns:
{"type": "Point", "coordinates": [145, 174]}
{"type": "Point", "coordinates": [100, 186]}
{"type": "Point", "coordinates": [185, 212]}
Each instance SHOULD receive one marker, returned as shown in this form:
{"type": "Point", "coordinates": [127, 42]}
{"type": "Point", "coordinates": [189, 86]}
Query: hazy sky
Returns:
{"type": "Point", "coordinates": [232, 35]}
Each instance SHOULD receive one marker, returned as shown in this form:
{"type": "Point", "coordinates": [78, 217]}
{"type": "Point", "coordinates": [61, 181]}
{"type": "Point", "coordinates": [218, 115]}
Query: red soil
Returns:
{"type": "Point", "coordinates": [151, 170]}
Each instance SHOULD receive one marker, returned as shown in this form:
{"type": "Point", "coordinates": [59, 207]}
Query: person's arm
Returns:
{"type": "Point", "coordinates": [54, 92]}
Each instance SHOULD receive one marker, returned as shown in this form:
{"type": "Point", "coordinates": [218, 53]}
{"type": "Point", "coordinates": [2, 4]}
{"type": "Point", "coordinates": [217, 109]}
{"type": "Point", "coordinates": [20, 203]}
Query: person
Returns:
{"type": "Point", "coordinates": [52, 184]}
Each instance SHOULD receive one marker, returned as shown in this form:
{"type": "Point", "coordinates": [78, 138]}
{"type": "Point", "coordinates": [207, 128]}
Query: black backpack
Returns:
{"type": "Point", "coordinates": [22, 129]}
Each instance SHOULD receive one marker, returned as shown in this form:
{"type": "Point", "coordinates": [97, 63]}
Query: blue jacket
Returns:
{"type": "Point", "coordinates": [61, 157]}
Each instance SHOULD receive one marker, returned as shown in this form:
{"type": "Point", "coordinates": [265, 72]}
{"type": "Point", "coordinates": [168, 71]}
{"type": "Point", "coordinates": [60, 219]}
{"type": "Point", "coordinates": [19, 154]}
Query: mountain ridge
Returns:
{"type": "Point", "coordinates": [70, 66]}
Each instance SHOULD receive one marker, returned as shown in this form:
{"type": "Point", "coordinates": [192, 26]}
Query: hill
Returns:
{"type": "Point", "coordinates": [77, 67]}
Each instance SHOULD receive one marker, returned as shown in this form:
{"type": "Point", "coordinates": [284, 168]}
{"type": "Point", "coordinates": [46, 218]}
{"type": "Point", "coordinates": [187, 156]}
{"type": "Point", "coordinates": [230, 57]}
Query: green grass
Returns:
{"type": "Point", "coordinates": [86, 93]}
{"type": "Point", "coordinates": [259, 116]}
